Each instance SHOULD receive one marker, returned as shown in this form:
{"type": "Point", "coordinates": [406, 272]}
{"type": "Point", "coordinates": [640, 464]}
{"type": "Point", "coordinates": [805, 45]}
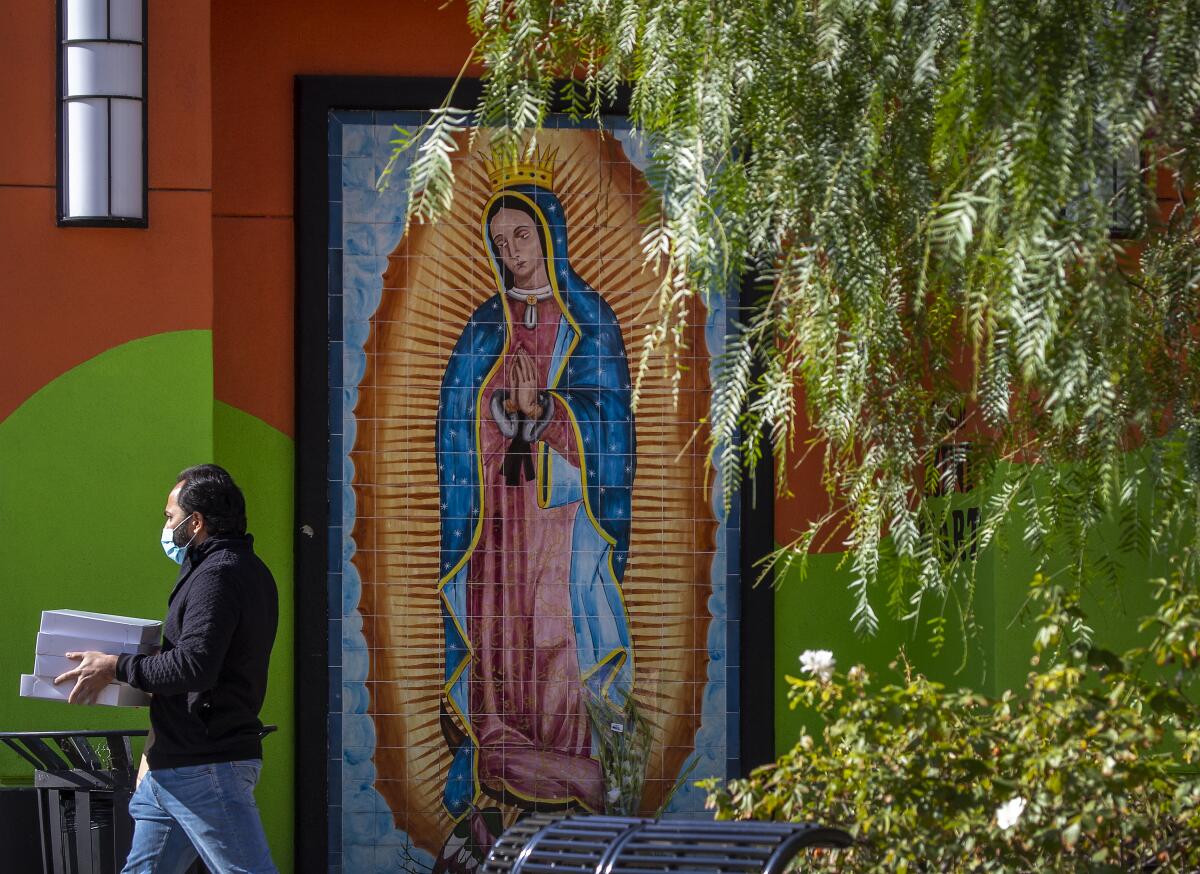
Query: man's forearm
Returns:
{"type": "Point", "coordinates": [168, 673]}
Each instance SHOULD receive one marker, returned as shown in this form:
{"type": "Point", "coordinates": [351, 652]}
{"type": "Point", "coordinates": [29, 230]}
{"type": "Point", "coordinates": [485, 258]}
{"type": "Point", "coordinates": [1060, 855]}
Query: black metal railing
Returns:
{"type": "Point", "coordinates": [84, 780]}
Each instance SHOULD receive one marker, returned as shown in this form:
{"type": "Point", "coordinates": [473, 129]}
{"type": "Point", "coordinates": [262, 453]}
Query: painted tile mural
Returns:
{"type": "Point", "coordinates": [533, 587]}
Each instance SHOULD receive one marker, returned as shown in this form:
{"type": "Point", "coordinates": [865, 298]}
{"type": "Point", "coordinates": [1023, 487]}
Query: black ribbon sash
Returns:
{"type": "Point", "coordinates": [518, 458]}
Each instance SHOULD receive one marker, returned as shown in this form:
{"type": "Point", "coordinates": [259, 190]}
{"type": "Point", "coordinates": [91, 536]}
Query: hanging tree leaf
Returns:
{"type": "Point", "coordinates": [924, 193]}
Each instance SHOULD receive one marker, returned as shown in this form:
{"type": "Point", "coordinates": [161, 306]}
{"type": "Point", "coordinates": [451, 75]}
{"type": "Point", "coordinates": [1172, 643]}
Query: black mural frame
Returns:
{"type": "Point", "coordinates": [315, 98]}
{"type": "Point", "coordinates": [756, 679]}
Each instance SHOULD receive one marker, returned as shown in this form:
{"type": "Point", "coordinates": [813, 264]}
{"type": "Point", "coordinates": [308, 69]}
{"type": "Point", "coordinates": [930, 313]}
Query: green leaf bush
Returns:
{"type": "Point", "coordinates": [1092, 767]}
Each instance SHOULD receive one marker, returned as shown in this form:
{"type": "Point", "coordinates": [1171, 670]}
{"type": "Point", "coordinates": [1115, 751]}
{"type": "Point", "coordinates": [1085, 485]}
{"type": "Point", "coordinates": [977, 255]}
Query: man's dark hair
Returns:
{"type": "Point", "coordinates": [209, 490]}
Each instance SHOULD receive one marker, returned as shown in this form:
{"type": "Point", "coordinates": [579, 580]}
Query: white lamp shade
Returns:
{"type": "Point", "coordinates": [97, 19]}
{"type": "Point", "coordinates": [103, 68]}
{"type": "Point", "coordinates": [102, 135]}
{"type": "Point", "coordinates": [87, 157]}
{"type": "Point", "coordinates": [125, 20]}
{"type": "Point", "coordinates": [126, 164]}
{"type": "Point", "coordinates": [85, 19]}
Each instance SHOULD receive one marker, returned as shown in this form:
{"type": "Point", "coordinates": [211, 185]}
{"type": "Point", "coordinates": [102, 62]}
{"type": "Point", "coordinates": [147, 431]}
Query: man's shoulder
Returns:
{"type": "Point", "coordinates": [236, 559]}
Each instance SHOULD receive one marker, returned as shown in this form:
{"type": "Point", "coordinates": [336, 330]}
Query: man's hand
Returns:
{"type": "Point", "coordinates": [96, 670]}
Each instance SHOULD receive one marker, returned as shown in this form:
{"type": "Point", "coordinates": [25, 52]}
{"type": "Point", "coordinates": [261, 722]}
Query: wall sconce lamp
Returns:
{"type": "Point", "coordinates": [102, 113]}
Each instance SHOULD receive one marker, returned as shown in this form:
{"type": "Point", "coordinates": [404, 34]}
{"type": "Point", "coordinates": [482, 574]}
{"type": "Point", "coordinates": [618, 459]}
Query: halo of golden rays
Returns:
{"type": "Point", "coordinates": [436, 277]}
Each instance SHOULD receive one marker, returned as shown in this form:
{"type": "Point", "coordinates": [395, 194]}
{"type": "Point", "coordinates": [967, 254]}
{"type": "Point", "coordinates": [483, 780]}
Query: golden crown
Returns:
{"type": "Point", "coordinates": [507, 171]}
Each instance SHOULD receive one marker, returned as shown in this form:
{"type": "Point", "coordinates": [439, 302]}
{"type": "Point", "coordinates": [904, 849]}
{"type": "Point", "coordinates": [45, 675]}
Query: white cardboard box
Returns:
{"type": "Point", "coordinates": [52, 665]}
{"type": "Point", "coordinates": [101, 626]}
{"type": "Point", "coordinates": [112, 695]}
{"type": "Point", "coordinates": [61, 644]}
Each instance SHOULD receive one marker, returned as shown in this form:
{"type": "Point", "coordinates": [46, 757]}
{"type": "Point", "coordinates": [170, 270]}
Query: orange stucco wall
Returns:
{"type": "Point", "coordinates": [219, 249]}
{"type": "Point", "coordinates": [257, 50]}
{"type": "Point", "coordinates": [69, 294]}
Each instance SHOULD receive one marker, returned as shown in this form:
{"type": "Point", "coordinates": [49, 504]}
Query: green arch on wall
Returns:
{"type": "Point", "coordinates": [85, 464]}
{"type": "Point", "coordinates": [262, 461]}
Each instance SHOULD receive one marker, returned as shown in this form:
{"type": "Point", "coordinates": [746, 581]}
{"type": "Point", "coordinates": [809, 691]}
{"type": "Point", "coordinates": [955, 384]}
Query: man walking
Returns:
{"type": "Point", "coordinates": [204, 751]}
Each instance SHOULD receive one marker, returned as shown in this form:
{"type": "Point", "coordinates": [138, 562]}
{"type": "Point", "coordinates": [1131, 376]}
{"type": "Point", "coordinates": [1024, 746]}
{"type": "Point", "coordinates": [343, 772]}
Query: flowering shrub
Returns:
{"type": "Point", "coordinates": [818, 662]}
{"type": "Point", "coordinates": [1086, 771]}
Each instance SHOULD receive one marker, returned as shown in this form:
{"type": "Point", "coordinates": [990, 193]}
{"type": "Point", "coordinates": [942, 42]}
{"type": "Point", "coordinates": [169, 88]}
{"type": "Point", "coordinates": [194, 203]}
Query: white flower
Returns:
{"type": "Point", "coordinates": [818, 662]}
{"type": "Point", "coordinates": [614, 795]}
{"type": "Point", "coordinates": [1009, 812]}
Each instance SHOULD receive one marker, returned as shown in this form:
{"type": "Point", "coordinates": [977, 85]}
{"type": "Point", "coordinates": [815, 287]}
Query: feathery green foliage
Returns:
{"type": "Point", "coordinates": [1072, 775]}
{"type": "Point", "coordinates": [924, 193]}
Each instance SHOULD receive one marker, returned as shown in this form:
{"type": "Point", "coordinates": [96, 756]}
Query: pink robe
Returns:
{"type": "Point", "coordinates": [526, 700]}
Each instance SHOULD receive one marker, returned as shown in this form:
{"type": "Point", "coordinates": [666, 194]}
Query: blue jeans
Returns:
{"type": "Point", "coordinates": [205, 810]}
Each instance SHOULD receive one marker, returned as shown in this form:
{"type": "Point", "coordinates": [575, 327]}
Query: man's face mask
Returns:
{"type": "Point", "coordinates": [170, 540]}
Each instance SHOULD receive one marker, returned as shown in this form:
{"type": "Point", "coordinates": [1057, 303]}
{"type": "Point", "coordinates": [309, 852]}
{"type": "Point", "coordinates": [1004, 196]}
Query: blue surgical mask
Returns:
{"type": "Point", "coordinates": [174, 551]}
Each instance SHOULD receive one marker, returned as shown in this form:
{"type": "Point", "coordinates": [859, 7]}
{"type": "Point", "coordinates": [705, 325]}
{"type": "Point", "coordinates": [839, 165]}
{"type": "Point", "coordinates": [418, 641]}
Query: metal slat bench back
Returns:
{"type": "Point", "coordinates": [84, 780]}
{"type": "Point", "coordinates": [84, 771]}
{"type": "Point", "coordinates": [555, 844]}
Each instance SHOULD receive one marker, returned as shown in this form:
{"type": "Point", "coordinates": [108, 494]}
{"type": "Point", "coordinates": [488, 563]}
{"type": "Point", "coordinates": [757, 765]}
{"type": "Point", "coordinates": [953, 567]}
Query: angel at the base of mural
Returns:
{"type": "Point", "coordinates": [536, 460]}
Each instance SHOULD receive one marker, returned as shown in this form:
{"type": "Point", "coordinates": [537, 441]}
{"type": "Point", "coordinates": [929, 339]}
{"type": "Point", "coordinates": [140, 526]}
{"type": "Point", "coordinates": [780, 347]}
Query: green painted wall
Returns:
{"type": "Point", "coordinates": [261, 461]}
{"type": "Point", "coordinates": [85, 468]}
{"type": "Point", "coordinates": [815, 613]}
{"type": "Point", "coordinates": [1114, 606]}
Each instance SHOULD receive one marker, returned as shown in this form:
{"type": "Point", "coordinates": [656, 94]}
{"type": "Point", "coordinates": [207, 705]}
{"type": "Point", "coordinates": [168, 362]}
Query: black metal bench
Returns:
{"type": "Point", "coordinates": [84, 781]}
{"type": "Point", "coordinates": [548, 844]}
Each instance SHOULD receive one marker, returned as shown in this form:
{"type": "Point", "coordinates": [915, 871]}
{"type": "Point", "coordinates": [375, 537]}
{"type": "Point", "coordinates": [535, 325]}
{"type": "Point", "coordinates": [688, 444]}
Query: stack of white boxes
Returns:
{"type": "Point", "coordinates": [65, 631]}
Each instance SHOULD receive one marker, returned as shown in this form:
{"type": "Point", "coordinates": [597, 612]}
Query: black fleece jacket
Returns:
{"type": "Point", "coordinates": [209, 680]}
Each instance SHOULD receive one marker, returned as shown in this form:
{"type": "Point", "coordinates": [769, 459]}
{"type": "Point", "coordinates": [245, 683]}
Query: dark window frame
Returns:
{"type": "Point", "coordinates": [315, 98]}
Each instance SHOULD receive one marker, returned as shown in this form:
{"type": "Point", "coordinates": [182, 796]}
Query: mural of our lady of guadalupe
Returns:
{"type": "Point", "coordinates": [507, 548]}
{"type": "Point", "coordinates": [536, 462]}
